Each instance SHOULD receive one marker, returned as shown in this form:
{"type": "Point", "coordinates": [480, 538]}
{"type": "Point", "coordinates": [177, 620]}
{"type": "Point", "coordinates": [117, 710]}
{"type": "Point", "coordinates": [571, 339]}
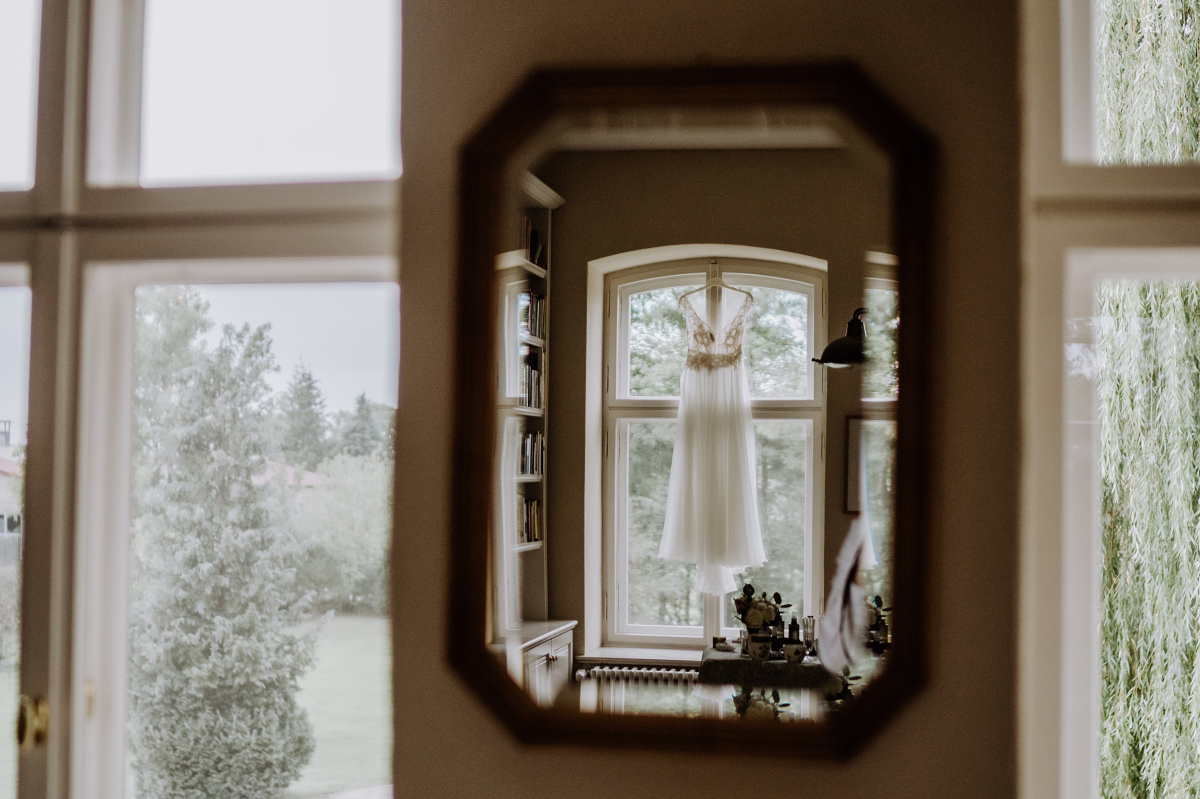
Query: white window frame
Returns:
{"type": "Point", "coordinates": [654, 269]}
{"type": "Point", "coordinates": [105, 466]}
{"type": "Point", "coordinates": [86, 207]}
{"type": "Point", "coordinates": [1072, 208]}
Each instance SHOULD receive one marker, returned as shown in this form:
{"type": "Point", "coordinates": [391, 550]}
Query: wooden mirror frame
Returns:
{"type": "Point", "coordinates": [838, 86]}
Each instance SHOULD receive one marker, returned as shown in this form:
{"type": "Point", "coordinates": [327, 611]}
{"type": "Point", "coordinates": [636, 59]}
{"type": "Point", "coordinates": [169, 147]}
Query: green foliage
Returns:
{"type": "Point", "coordinates": [215, 656]}
{"type": "Point", "coordinates": [18, 481]}
{"type": "Point", "coordinates": [1147, 80]}
{"type": "Point", "coordinates": [304, 425]}
{"type": "Point", "coordinates": [345, 522]}
{"type": "Point", "coordinates": [661, 591]}
{"type": "Point", "coordinates": [657, 342]}
{"type": "Point", "coordinates": [881, 376]}
{"type": "Point", "coordinates": [10, 615]}
{"type": "Point", "coordinates": [879, 450]}
{"type": "Point", "coordinates": [362, 436]}
{"type": "Point", "coordinates": [1148, 386]}
{"type": "Point", "coordinates": [776, 343]}
{"type": "Point", "coordinates": [780, 454]}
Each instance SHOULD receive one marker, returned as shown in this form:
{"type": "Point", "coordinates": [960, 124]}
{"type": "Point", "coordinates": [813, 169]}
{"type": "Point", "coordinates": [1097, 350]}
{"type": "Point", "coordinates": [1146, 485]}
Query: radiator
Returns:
{"type": "Point", "coordinates": [637, 674]}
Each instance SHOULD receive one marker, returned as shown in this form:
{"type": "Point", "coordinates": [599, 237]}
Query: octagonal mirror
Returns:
{"type": "Point", "coordinates": [691, 408]}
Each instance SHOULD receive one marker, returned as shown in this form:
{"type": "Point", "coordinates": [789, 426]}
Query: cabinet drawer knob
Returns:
{"type": "Point", "coordinates": [552, 657]}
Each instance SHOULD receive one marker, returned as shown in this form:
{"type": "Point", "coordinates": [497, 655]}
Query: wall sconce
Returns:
{"type": "Point", "coordinates": [847, 350]}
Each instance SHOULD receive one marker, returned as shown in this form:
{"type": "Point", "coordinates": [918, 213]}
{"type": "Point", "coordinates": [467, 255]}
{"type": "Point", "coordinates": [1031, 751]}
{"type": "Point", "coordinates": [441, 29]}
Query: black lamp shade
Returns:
{"type": "Point", "coordinates": [848, 349]}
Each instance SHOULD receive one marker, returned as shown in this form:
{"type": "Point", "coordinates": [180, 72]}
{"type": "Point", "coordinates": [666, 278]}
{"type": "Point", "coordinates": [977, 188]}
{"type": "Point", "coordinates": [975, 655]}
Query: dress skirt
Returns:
{"type": "Point", "coordinates": [712, 498]}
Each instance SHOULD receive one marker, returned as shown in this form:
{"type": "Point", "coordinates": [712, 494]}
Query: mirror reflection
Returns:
{"type": "Point", "coordinates": [696, 384]}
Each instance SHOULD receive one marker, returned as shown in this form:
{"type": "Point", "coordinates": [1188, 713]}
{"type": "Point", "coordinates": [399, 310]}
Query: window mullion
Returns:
{"type": "Point", "coordinates": [62, 68]}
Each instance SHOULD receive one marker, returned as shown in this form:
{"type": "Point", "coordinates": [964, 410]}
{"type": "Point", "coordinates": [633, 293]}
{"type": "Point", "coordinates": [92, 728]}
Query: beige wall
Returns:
{"type": "Point", "coordinates": [952, 65]}
{"type": "Point", "coordinates": [831, 204]}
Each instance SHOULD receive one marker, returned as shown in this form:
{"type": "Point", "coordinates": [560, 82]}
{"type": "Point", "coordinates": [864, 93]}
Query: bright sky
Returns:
{"type": "Point", "coordinates": [238, 91]}
{"type": "Point", "coordinates": [347, 334]}
{"type": "Point", "coordinates": [14, 358]}
{"type": "Point", "coordinates": [18, 60]}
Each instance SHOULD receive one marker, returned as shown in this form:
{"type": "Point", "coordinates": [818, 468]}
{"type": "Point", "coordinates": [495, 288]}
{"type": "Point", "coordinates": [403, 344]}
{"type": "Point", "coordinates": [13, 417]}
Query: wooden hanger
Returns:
{"type": "Point", "coordinates": [716, 282]}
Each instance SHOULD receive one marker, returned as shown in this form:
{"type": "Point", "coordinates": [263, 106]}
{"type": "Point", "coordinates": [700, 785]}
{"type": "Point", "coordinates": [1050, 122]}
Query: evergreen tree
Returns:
{"type": "Point", "coordinates": [214, 656]}
{"type": "Point", "coordinates": [304, 423]}
{"type": "Point", "coordinates": [362, 435]}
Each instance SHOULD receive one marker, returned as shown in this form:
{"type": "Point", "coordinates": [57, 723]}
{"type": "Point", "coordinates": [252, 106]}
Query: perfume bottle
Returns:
{"type": "Point", "coordinates": [794, 629]}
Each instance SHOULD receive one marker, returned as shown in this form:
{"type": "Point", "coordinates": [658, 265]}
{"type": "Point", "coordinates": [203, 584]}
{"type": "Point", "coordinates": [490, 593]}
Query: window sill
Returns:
{"type": "Point", "coordinates": [639, 656]}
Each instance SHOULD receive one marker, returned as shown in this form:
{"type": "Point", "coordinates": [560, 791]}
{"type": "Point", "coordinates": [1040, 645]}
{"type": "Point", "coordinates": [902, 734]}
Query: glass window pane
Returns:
{"type": "Point", "coordinates": [660, 591]}
{"type": "Point", "coordinates": [1147, 61]}
{"type": "Point", "coordinates": [776, 343]}
{"type": "Point", "coordinates": [782, 452]}
{"type": "Point", "coordinates": [1143, 369]}
{"type": "Point", "coordinates": [881, 377]}
{"type": "Point", "coordinates": [658, 341]}
{"type": "Point", "coordinates": [238, 91]}
{"type": "Point", "coordinates": [259, 634]}
{"type": "Point", "coordinates": [18, 89]}
{"type": "Point", "coordinates": [879, 453]}
{"type": "Point", "coordinates": [14, 392]}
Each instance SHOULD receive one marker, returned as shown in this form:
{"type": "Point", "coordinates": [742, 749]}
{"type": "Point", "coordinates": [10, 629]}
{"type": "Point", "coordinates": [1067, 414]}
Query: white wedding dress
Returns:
{"type": "Point", "coordinates": [712, 503]}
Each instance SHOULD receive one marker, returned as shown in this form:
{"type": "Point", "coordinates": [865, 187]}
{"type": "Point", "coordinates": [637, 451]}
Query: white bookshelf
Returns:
{"type": "Point", "coordinates": [523, 355]}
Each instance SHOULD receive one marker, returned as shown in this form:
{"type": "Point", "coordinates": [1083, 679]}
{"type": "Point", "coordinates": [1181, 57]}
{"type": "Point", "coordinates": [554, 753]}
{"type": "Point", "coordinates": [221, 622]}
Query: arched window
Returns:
{"type": "Point", "coordinates": [651, 601]}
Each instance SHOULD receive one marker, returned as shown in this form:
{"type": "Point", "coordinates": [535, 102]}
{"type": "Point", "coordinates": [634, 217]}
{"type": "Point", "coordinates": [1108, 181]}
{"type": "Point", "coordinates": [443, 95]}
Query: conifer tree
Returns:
{"type": "Point", "coordinates": [362, 436]}
{"type": "Point", "coordinates": [304, 422]}
{"type": "Point", "coordinates": [214, 654]}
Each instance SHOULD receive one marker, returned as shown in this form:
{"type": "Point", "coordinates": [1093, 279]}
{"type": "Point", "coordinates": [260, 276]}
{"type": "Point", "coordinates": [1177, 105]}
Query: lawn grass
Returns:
{"type": "Point", "coordinates": [348, 696]}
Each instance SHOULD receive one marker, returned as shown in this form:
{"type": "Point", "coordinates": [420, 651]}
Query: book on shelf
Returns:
{"type": "Point", "coordinates": [531, 314]}
{"type": "Point", "coordinates": [529, 454]}
{"type": "Point", "coordinates": [529, 383]}
{"type": "Point", "coordinates": [529, 520]}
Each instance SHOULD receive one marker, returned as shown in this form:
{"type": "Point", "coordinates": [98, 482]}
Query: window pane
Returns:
{"type": "Point", "coordinates": [1147, 59]}
{"type": "Point", "coordinates": [776, 343]}
{"type": "Point", "coordinates": [657, 341]}
{"type": "Point", "coordinates": [781, 449]}
{"type": "Point", "coordinates": [18, 86]}
{"type": "Point", "coordinates": [881, 377]}
{"type": "Point", "coordinates": [879, 452]}
{"type": "Point", "coordinates": [1147, 342]}
{"type": "Point", "coordinates": [14, 392]}
{"type": "Point", "coordinates": [259, 640]}
{"type": "Point", "coordinates": [238, 91]}
{"type": "Point", "coordinates": [660, 591]}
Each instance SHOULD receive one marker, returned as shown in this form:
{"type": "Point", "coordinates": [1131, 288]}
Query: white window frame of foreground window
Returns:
{"type": "Point", "coordinates": [104, 473]}
{"type": "Point", "coordinates": [610, 409]}
{"type": "Point", "coordinates": [1059, 128]}
{"type": "Point", "coordinates": [116, 86]}
{"type": "Point", "coordinates": [62, 222]}
{"type": "Point", "coordinates": [1086, 270]}
{"type": "Point", "coordinates": [1069, 204]}
{"type": "Point", "coordinates": [1059, 666]}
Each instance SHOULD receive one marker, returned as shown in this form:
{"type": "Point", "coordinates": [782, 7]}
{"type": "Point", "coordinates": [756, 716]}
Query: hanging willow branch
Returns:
{"type": "Point", "coordinates": [1148, 346]}
{"type": "Point", "coordinates": [1147, 80]}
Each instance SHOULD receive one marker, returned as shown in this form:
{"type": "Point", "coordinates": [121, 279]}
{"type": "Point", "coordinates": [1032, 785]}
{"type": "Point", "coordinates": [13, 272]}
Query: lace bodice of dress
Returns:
{"type": "Point", "coordinates": [704, 351]}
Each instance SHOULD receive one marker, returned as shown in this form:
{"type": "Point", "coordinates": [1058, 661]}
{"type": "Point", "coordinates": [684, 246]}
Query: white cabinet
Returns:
{"type": "Point", "coordinates": [547, 655]}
